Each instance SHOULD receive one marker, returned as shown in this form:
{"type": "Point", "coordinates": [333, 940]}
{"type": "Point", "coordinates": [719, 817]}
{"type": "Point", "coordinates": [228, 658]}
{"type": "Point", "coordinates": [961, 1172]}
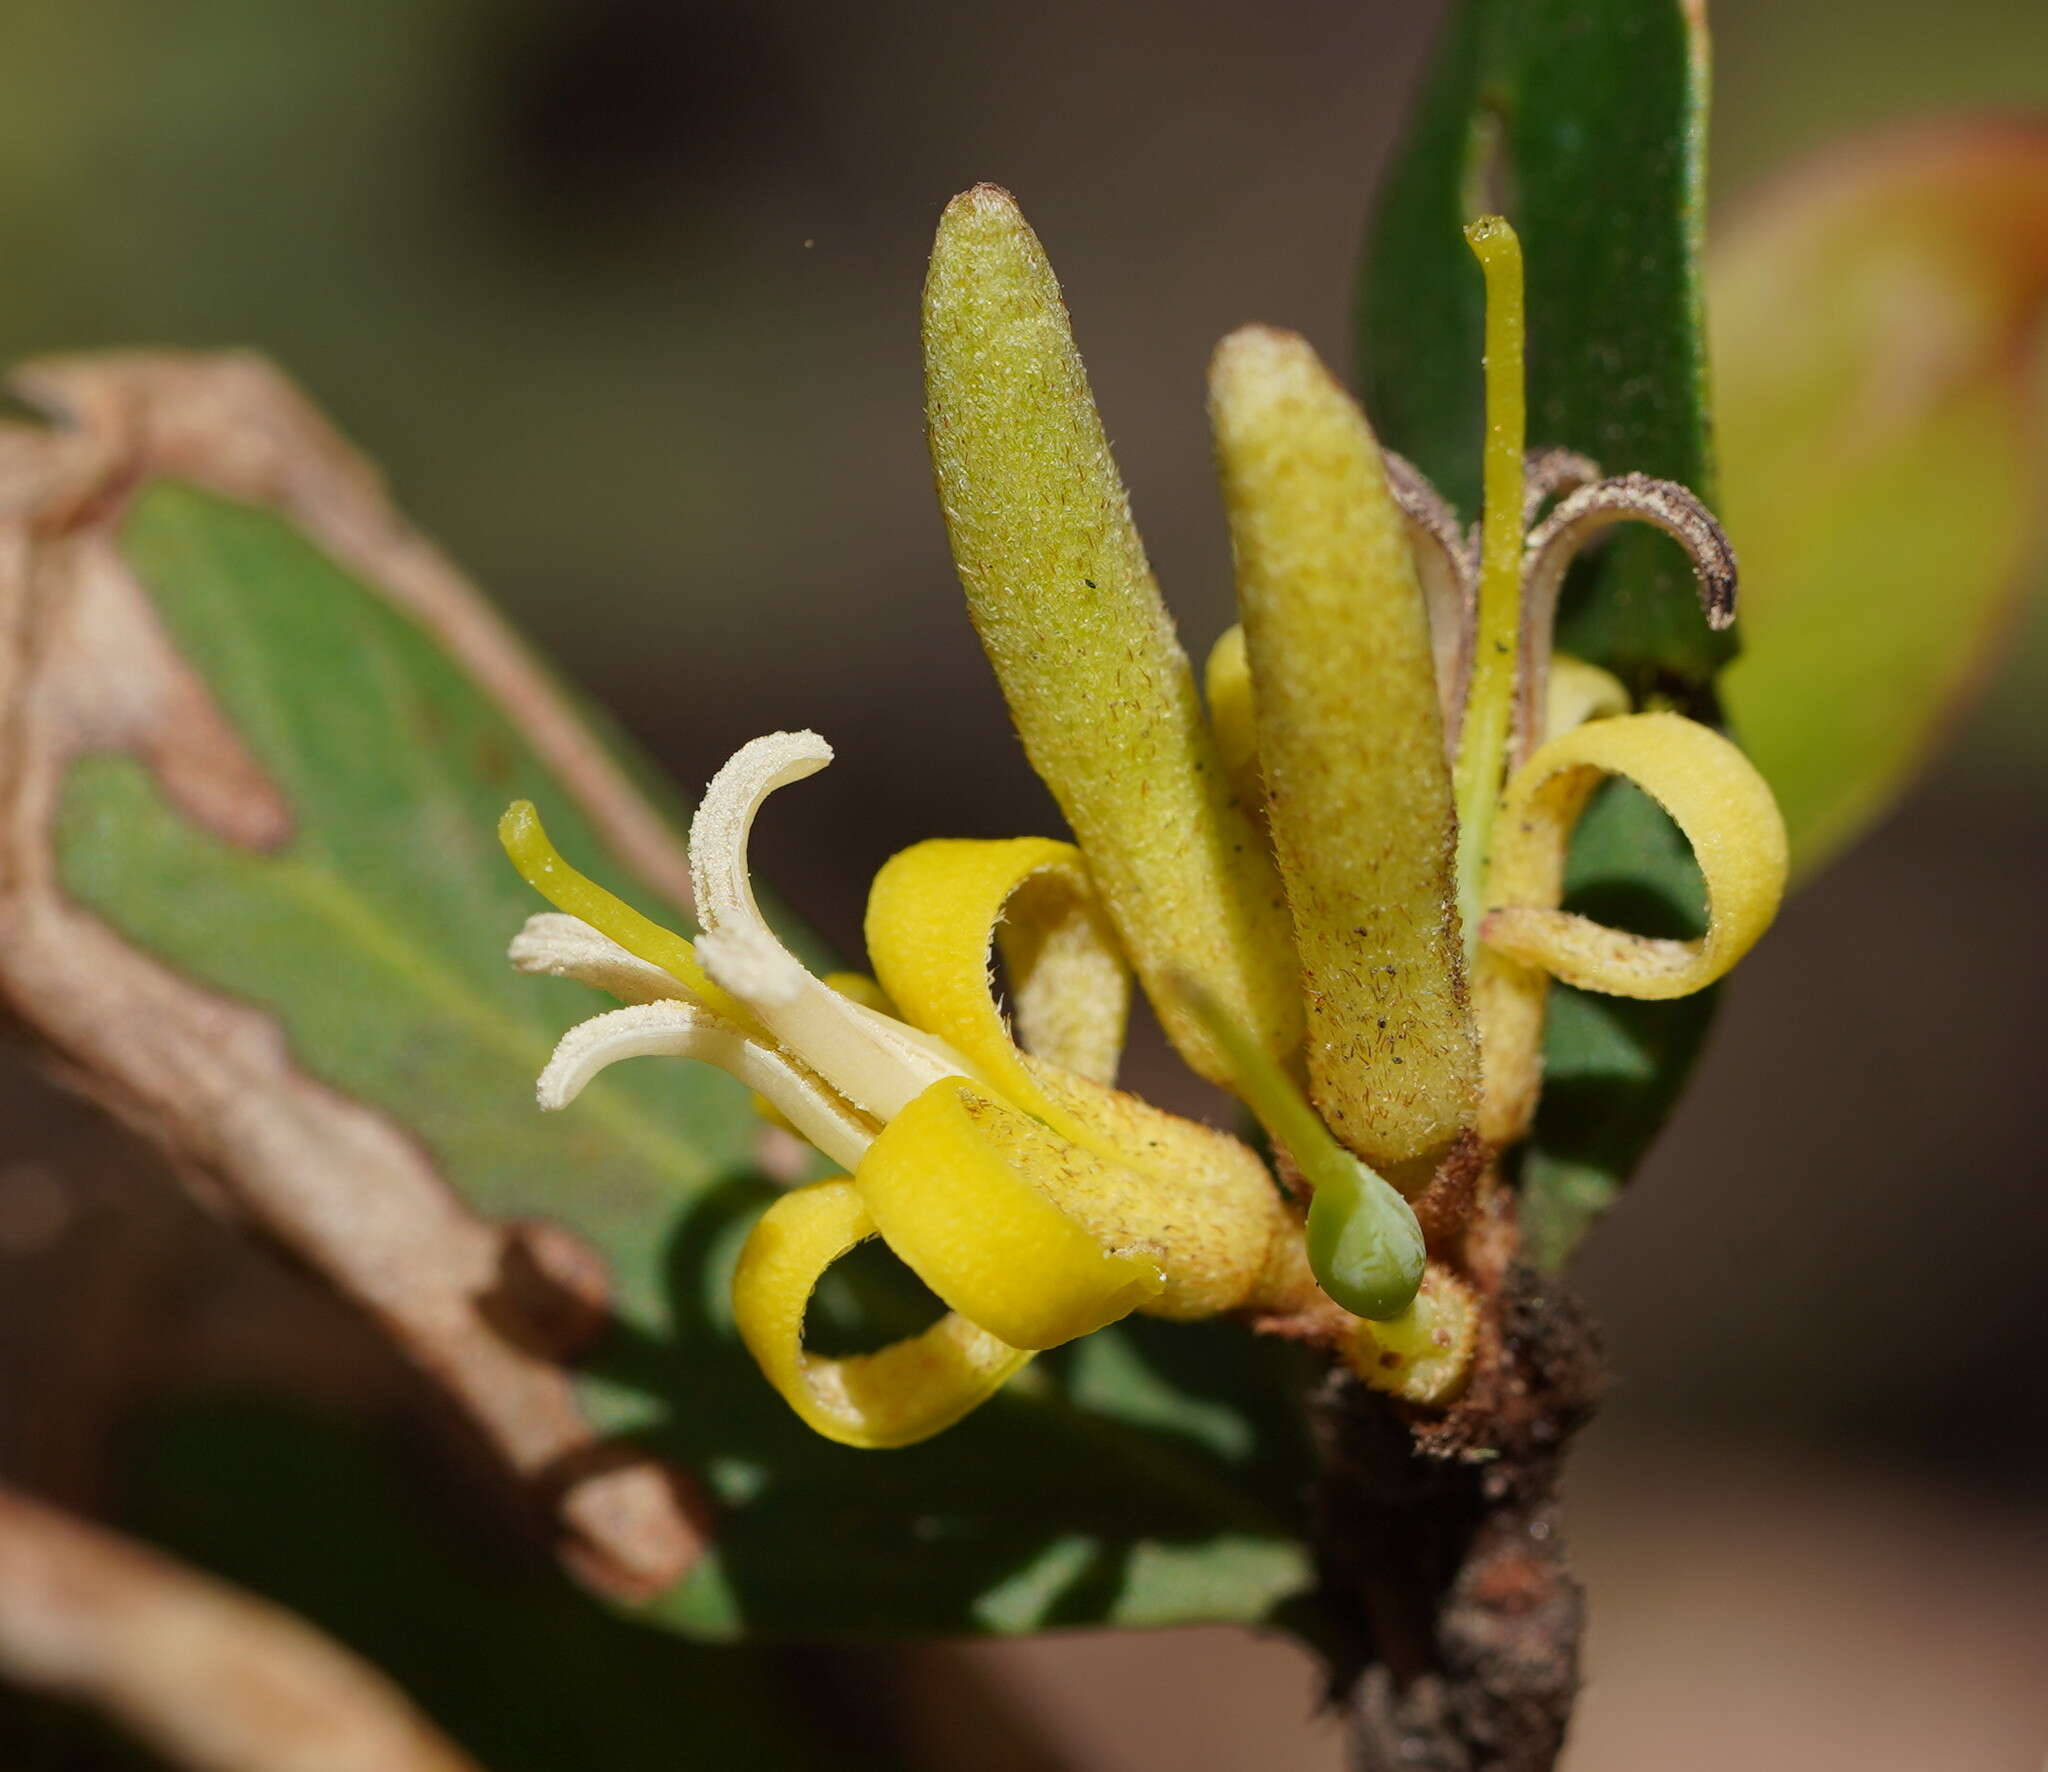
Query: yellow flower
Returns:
{"type": "Point", "coordinates": [1034, 1199]}
{"type": "Point", "coordinates": [1343, 878]}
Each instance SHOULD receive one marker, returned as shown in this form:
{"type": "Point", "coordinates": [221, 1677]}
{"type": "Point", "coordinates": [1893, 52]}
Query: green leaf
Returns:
{"type": "Point", "coordinates": [1587, 118]}
{"type": "Point", "coordinates": [1149, 1476]}
{"type": "Point", "coordinates": [1878, 348]}
{"type": "Point", "coordinates": [326, 1518]}
{"type": "Point", "coordinates": [1584, 121]}
{"type": "Point", "coordinates": [1613, 1068]}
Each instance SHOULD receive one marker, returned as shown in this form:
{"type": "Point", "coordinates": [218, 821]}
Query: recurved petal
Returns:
{"type": "Point", "coordinates": [1585, 513]}
{"type": "Point", "coordinates": [1447, 567]}
{"type": "Point", "coordinates": [1198, 1195]}
{"type": "Point", "coordinates": [1351, 747]}
{"type": "Point", "coordinates": [1067, 609]}
{"type": "Point", "coordinates": [901, 1394]}
{"type": "Point", "coordinates": [1231, 1241]}
{"type": "Point", "coordinates": [1716, 798]}
{"type": "Point", "coordinates": [986, 1206]}
{"type": "Point", "coordinates": [937, 909]}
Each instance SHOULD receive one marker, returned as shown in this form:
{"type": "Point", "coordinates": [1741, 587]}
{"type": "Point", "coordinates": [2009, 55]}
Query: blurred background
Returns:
{"type": "Point", "coordinates": [623, 294]}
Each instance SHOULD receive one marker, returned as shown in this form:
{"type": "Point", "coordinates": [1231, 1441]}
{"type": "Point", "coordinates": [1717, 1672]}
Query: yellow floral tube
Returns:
{"type": "Point", "coordinates": [1351, 746]}
{"type": "Point", "coordinates": [1071, 617]}
{"type": "Point", "coordinates": [1715, 797]}
{"type": "Point", "coordinates": [896, 1396]}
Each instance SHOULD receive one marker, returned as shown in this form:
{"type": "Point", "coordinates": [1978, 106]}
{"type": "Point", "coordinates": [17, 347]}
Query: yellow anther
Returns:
{"type": "Point", "coordinates": [903, 1393]}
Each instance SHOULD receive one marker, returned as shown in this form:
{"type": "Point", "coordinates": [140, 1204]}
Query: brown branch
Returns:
{"type": "Point", "coordinates": [208, 1676]}
{"type": "Point", "coordinates": [1441, 1541]}
{"type": "Point", "coordinates": [1449, 1620]}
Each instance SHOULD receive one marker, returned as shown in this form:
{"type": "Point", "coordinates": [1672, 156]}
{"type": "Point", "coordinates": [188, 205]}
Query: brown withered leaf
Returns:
{"type": "Point", "coordinates": [90, 672]}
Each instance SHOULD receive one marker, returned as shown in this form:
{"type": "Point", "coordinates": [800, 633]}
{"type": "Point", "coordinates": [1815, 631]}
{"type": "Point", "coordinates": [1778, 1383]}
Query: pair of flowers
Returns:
{"type": "Point", "coordinates": [1339, 886]}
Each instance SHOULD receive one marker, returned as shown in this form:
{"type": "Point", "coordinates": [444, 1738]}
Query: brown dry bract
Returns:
{"type": "Point", "coordinates": [212, 1678]}
{"type": "Point", "coordinates": [85, 666]}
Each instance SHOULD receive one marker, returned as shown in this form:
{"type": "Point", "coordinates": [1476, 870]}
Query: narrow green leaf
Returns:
{"type": "Point", "coordinates": [518, 1667]}
{"type": "Point", "coordinates": [1584, 122]}
{"type": "Point", "coordinates": [1151, 1476]}
{"type": "Point", "coordinates": [1613, 1067]}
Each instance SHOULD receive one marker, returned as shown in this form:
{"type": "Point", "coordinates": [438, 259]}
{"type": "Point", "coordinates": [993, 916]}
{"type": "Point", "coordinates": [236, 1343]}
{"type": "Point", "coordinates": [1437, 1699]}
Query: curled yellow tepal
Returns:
{"type": "Point", "coordinates": [1340, 887]}
{"type": "Point", "coordinates": [1714, 795]}
{"type": "Point", "coordinates": [1036, 1201]}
